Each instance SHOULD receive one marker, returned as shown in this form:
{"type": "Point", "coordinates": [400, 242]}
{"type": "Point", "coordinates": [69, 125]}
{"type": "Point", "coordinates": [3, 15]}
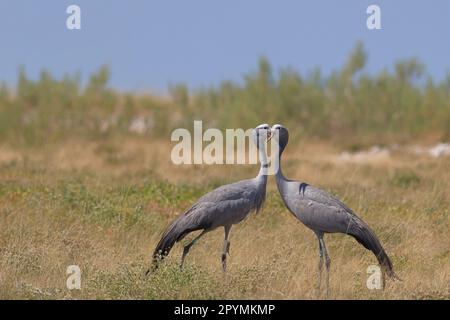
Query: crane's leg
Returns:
{"type": "Point", "coordinates": [327, 262]}
{"type": "Point", "coordinates": [188, 247]}
{"type": "Point", "coordinates": [226, 248]}
{"type": "Point", "coordinates": [319, 279]}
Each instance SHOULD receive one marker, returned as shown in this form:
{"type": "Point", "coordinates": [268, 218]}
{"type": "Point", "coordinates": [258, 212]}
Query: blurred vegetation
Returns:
{"type": "Point", "coordinates": [405, 179]}
{"type": "Point", "coordinates": [348, 105]}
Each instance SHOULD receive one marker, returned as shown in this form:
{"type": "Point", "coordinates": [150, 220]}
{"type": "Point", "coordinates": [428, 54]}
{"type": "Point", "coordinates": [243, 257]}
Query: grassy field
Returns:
{"type": "Point", "coordinates": [103, 206]}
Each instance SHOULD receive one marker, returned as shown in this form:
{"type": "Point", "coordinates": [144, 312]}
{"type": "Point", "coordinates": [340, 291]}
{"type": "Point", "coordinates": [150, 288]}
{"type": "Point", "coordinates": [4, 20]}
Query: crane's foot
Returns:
{"type": "Point", "coordinates": [319, 275]}
{"type": "Point", "coordinates": [327, 265]}
{"type": "Point", "coordinates": [318, 286]}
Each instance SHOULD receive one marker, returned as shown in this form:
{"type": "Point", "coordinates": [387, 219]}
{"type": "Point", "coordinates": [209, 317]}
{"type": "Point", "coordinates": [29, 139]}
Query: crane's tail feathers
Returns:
{"type": "Point", "coordinates": [369, 240]}
{"type": "Point", "coordinates": [168, 239]}
{"type": "Point", "coordinates": [165, 245]}
{"type": "Point", "coordinates": [176, 231]}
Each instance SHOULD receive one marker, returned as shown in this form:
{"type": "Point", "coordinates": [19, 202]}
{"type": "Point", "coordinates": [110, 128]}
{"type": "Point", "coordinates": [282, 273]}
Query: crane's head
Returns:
{"type": "Point", "coordinates": [281, 135]}
{"type": "Point", "coordinates": [261, 134]}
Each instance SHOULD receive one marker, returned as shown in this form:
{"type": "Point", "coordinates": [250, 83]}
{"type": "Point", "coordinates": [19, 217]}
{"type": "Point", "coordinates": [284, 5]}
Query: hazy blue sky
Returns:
{"type": "Point", "coordinates": [149, 44]}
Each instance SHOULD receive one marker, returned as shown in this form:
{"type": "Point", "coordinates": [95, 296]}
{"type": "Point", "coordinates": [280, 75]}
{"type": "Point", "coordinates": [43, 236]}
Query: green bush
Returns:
{"type": "Point", "coordinates": [348, 105]}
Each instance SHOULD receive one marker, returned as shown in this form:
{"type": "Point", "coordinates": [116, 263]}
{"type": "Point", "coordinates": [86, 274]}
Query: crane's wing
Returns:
{"type": "Point", "coordinates": [323, 212]}
{"type": "Point", "coordinates": [225, 205]}
{"type": "Point", "coordinates": [232, 191]}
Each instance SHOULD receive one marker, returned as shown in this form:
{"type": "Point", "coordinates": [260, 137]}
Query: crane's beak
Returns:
{"type": "Point", "coordinates": [269, 135]}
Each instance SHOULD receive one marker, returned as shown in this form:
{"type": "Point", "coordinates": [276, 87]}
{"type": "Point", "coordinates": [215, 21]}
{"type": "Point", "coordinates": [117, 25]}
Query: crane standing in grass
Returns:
{"type": "Point", "coordinates": [222, 207]}
{"type": "Point", "coordinates": [323, 213]}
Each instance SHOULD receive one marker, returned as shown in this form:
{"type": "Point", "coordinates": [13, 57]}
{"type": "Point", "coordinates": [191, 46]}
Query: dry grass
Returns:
{"type": "Point", "coordinates": [103, 206]}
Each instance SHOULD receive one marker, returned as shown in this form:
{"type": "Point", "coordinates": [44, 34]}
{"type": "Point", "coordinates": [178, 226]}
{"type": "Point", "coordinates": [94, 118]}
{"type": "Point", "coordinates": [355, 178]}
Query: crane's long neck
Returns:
{"type": "Point", "coordinates": [264, 165]}
{"type": "Point", "coordinates": [261, 178]}
{"type": "Point", "coordinates": [279, 174]}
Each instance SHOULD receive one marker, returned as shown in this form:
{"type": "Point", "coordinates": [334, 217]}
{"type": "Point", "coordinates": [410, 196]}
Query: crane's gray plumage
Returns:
{"type": "Point", "coordinates": [324, 213]}
{"type": "Point", "coordinates": [222, 207]}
